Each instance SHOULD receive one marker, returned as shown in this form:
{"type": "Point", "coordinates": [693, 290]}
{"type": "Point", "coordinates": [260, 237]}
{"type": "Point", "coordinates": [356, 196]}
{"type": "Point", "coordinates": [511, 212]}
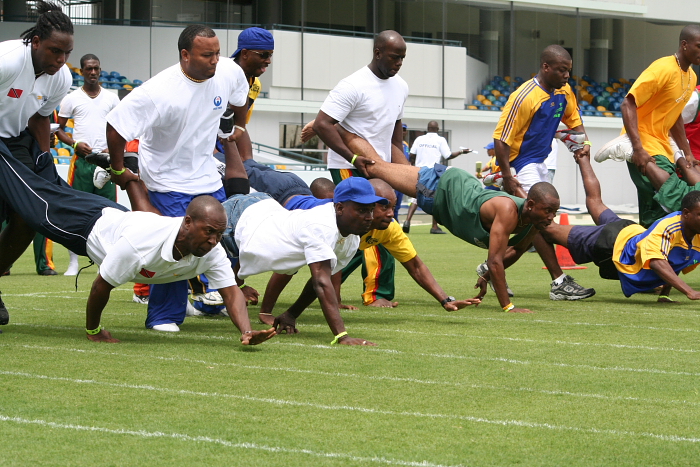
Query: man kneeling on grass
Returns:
{"type": "Point", "coordinates": [128, 246]}
{"type": "Point", "coordinates": [641, 259]}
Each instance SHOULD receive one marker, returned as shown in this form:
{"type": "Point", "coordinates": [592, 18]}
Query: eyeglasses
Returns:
{"type": "Point", "coordinates": [263, 55]}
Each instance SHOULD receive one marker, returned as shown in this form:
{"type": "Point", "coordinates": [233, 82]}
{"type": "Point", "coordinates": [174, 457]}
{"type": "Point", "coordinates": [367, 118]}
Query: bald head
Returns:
{"type": "Point", "coordinates": [206, 206]}
{"type": "Point", "coordinates": [388, 38]}
{"type": "Point", "coordinates": [433, 127]}
{"type": "Point", "coordinates": [542, 192]}
{"type": "Point", "coordinates": [690, 33]}
{"type": "Point", "coordinates": [322, 188]}
{"type": "Point", "coordinates": [554, 54]}
{"type": "Point", "coordinates": [388, 54]}
{"type": "Point", "coordinates": [383, 189]}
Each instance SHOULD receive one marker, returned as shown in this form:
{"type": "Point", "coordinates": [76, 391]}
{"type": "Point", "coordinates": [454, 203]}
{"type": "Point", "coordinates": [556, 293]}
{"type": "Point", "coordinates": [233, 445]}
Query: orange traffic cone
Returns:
{"type": "Point", "coordinates": [563, 255]}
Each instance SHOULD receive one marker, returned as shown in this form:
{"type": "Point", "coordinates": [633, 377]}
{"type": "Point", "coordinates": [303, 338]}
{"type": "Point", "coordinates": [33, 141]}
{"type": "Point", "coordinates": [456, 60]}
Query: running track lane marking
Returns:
{"type": "Point", "coordinates": [222, 442]}
{"type": "Point", "coordinates": [283, 402]}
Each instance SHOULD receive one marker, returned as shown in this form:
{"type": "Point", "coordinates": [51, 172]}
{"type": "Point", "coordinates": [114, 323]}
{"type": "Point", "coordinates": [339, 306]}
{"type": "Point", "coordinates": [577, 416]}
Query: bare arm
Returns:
{"type": "Point", "coordinates": [510, 183]}
{"type": "Point", "coordinates": [397, 155]}
{"type": "Point", "coordinates": [82, 149]}
{"type": "Point", "coordinates": [324, 126]}
{"type": "Point", "coordinates": [640, 157]}
{"type": "Point", "coordinates": [99, 296]}
{"type": "Point", "coordinates": [40, 127]}
{"type": "Point", "coordinates": [116, 144]}
{"type": "Point", "coordinates": [238, 312]}
{"type": "Point", "coordinates": [669, 276]}
{"type": "Point", "coordinates": [679, 136]}
{"type": "Point", "coordinates": [586, 151]}
{"type": "Point", "coordinates": [423, 277]}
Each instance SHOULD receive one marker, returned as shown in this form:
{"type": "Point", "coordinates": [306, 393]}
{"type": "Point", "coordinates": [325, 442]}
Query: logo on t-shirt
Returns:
{"type": "Point", "coordinates": [146, 273]}
{"type": "Point", "coordinates": [15, 93]}
{"type": "Point", "coordinates": [217, 103]}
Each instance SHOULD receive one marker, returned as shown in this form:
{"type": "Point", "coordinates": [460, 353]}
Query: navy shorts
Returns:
{"type": "Point", "coordinates": [596, 243]}
{"type": "Point", "coordinates": [234, 207]}
{"type": "Point", "coordinates": [53, 209]}
{"type": "Point", "coordinates": [279, 185]}
{"type": "Point", "coordinates": [428, 179]}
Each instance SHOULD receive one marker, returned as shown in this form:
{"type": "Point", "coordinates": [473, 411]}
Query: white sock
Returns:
{"type": "Point", "coordinates": [73, 259]}
{"type": "Point", "coordinates": [559, 279]}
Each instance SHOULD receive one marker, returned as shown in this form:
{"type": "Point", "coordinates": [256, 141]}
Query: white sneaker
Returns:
{"type": "Point", "coordinates": [100, 178]}
{"type": "Point", "coordinates": [192, 311]}
{"type": "Point", "coordinates": [619, 150]}
{"type": "Point", "coordinates": [496, 180]}
{"type": "Point", "coordinates": [167, 327]}
{"type": "Point", "coordinates": [210, 298]}
{"type": "Point", "coordinates": [140, 299]}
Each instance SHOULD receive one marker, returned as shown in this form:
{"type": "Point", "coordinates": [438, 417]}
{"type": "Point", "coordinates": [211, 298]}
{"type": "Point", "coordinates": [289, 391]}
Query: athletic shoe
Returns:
{"type": "Point", "coordinates": [101, 159]}
{"type": "Point", "coordinates": [100, 178]}
{"type": "Point", "coordinates": [210, 298]}
{"type": "Point", "coordinates": [140, 299]}
{"type": "Point", "coordinates": [437, 230]}
{"type": "Point", "coordinates": [572, 139]}
{"type": "Point", "coordinates": [192, 311]}
{"type": "Point", "coordinates": [406, 227]}
{"type": "Point", "coordinates": [496, 179]}
{"type": "Point", "coordinates": [619, 150]}
{"type": "Point", "coordinates": [167, 327]}
{"type": "Point", "coordinates": [47, 272]}
{"type": "Point", "coordinates": [4, 314]}
{"type": "Point", "coordinates": [72, 270]}
{"type": "Point", "coordinates": [569, 290]}
{"type": "Point", "coordinates": [482, 269]}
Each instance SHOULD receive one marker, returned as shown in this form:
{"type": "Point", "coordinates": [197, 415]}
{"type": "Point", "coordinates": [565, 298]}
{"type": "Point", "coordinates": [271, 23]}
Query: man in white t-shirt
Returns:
{"type": "Point", "coordinates": [428, 150]}
{"type": "Point", "coordinates": [369, 103]}
{"type": "Point", "coordinates": [265, 236]}
{"type": "Point", "coordinates": [176, 117]}
{"type": "Point", "coordinates": [87, 106]}
{"type": "Point", "coordinates": [128, 246]}
{"type": "Point", "coordinates": [33, 80]}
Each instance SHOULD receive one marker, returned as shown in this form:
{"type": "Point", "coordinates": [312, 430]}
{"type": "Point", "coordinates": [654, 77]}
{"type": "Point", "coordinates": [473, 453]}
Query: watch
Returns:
{"type": "Point", "coordinates": [447, 300]}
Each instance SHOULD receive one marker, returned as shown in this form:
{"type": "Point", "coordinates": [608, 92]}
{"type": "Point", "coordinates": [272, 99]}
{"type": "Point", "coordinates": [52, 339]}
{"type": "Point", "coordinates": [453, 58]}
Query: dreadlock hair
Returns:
{"type": "Point", "coordinates": [51, 18]}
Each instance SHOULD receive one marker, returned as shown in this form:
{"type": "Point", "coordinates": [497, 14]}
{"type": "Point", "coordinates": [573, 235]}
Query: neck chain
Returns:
{"type": "Point", "coordinates": [178, 250]}
{"type": "Point", "coordinates": [92, 96]}
{"type": "Point", "coordinates": [203, 80]}
{"type": "Point", "coordinates": [37, 75]}
{"type": "Point", "coordinates": [687, 87]}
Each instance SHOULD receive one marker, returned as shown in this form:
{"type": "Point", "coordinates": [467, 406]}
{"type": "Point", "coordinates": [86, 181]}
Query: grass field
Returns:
{"type": "Point", "coordinates": [605, 381]}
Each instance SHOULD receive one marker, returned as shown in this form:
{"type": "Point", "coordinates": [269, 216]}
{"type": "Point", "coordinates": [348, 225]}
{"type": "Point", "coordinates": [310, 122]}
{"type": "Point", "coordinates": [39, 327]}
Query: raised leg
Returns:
{"type": "Point", "coordinates": [591, 185]}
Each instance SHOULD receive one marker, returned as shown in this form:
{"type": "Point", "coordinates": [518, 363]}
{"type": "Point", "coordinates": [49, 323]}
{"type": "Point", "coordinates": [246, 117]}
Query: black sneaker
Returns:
{"type": "Point", "coordinates": [569, 290]}
{"type": "Point", "coordinates": [101, 159]}
{"type": "Point", "coordinates": [406, 227]}
{"type": "Point", "coordinates": [4, 314]}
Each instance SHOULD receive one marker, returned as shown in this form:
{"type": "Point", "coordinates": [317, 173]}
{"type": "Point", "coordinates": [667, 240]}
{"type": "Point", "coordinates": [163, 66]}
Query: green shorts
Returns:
{"type": "Point", "coordinates": [81, 179]}
{"type": "Point", "coordinates": [649, 208]}
{"type": "Point", "coordinates": [672, 192]}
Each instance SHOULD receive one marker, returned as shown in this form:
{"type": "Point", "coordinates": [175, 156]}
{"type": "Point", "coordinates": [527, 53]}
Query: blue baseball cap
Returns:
{"type": "Point", "coordinates": [404, 126]}
{"type": "Point", "coordinates": [255, 39]}
{"type": "Point", "coordinates": [357, 189]}
{"type": "Point", "coordinates": [489, 146]}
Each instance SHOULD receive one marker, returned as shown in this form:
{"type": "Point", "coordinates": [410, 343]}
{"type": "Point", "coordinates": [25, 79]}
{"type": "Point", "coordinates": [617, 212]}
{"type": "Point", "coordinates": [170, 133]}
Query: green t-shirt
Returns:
{"type": "Point", "coordinates": [458, 199]}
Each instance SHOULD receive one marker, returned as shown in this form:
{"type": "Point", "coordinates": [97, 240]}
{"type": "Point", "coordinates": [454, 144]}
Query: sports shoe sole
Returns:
{"type": "Point", "coordinates": [557, 297]}
{"type": "Point", "coordinates": [4, 315]}
{"type": "Point", "coordinates": [618, 149]}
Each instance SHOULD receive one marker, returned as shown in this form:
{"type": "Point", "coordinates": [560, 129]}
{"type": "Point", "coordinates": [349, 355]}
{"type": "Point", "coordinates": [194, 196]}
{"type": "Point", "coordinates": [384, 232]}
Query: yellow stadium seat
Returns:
{"type": "Point", "coordinates": [610, 89]}
{"type": "Point", "coordinates": [472, 107]}
{"type": "Point", "coordinates": [128, 87]}
{"type": "Point", "coordinates": [600, 108]}
{"type": "Point", "coordinates": [480, 97]}
{"type": "Point", "coordinates": [63, 152]}
{"type": "Point", "coordinates": [496, 92]}
{"type": "Point", "coordinates": [70, 123]}
{"type": "Point", "coordinates": [587, 97]}
{"type": "Point", "coordinates": [625, 81]}
{"type": "Point", "coordinates": [608, 114]}
{"type": "Point", "coordinates": [507, 78]}
{"type": "Point", "coordinates": [584, 83]}
{"type": "Point", "coordinates": [616, 85]}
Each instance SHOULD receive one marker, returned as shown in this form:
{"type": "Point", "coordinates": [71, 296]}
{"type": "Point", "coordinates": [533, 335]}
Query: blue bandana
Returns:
{"type": "Point", "coordinates": [255, 39]}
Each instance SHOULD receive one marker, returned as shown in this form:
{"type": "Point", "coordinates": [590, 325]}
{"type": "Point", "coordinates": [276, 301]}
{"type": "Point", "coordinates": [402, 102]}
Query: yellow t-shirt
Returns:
{"type": "Point", "coordinates": [661, 92]}
{"type": "Point", "coordinates": [253, 93]}
{"type": "Point", "coordinates": [393, 240]}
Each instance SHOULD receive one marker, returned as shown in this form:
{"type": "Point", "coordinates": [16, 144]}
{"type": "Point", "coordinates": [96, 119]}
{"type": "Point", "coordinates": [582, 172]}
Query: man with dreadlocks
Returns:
{"type": "Point", "coordinates": [33, 81]}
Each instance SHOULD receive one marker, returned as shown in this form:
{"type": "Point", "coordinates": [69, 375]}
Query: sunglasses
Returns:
{"type": "Point", "coordinates": [263, 55]}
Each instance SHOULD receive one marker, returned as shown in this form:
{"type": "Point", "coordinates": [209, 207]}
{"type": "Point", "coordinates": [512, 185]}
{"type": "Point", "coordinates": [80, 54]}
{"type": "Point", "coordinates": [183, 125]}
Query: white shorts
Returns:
{"type": "Point", "coordinates": [531, 174]}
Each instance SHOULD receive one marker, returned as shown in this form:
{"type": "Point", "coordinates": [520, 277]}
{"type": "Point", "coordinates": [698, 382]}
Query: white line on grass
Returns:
{"type": "Point", "coordinates": [222, 442]}
{"type": "Point", "coordinates": [335, 408]}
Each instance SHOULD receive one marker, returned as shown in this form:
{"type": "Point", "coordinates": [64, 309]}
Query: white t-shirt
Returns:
{"type": "Point", "coordinates": [551, 160]}
{"type": "Point", "coordinates": [176, 121]}
{"type": "Point", "coordinates": [369, 107]}
{"type": "Point", "coordinates": [89, 115]}
{"type": "Point", "coordinates": [138, 247]}
{"type": "Point", "coordinates": [21, 93]}
{"type": "Point", "coordinates": [271, 238]}
{"type": "Point", "coordinates": [429, 148]}
{"type": "Point", "coordinates": [690, 110]}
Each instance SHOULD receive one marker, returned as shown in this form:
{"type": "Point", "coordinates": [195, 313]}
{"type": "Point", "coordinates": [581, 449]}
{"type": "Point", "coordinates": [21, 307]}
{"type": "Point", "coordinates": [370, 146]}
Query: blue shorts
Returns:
{"type": "Point", "coordinates": [428, 179]}
{"type": "Point", "coordinates": [234, 207]}
{"type": "Point", "coordinates": [279, 185]}
{"type": "Point", "coordinates": [582, 239]}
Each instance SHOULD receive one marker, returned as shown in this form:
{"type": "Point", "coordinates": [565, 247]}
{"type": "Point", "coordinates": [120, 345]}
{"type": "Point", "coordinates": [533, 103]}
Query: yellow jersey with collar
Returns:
{"type": "Point", "coordinates": [661, 92]}
{"type": "Point", "coordinates": [531, 117]}
{"type": "Point", "coordinates": [635, 247]}
{"type": "Point", "coordinates": [393, 240]}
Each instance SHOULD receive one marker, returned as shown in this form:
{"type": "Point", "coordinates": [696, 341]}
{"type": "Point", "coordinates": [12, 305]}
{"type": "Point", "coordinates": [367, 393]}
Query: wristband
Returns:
{"type": "Point", "coordinates": [75, 144]}
{"type": "Point", "coordinates": [508, 307]}
{"type": "Point", "coordinates": [338, 337]}
{"type": "Point", "coordinates": [94, 331]}
{"type": "Point", "coordinates": [354, 158]}
{"type": "Point", "coordinates": [240, 128]}
{"type": "Point", "coordinates": [117, 172]}
{"type": "Point", "coordinates": [587, 143]}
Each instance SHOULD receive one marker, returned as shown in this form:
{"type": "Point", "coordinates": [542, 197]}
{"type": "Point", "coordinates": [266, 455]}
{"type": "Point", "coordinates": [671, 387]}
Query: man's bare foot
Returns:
{"type": "Point", "coordinates": [102, 336]}
{"type": "Point", "coordinates": [266, 318]}
{"type": "Point", "coordinates": [347, 307]}
{"type": "Point", "coordinates": [384, 303]}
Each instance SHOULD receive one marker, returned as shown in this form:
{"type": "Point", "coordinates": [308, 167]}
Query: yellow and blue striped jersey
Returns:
{"type": "Point", "coordinates": [393, 240]}
{"type": "Point", "coordinates": [635, 247]}
{"type": "Point", "coordinates": [531, 117]}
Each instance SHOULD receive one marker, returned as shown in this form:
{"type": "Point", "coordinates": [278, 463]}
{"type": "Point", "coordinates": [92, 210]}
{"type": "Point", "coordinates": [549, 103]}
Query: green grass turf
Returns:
{"type": "Point", "coordinates": [605, 381]}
